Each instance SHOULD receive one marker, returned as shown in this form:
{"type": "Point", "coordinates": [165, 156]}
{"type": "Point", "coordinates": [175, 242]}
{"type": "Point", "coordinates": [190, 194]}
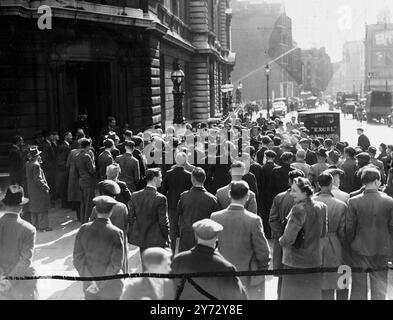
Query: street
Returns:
{"type": "Point", "coordinates": [53, 254]}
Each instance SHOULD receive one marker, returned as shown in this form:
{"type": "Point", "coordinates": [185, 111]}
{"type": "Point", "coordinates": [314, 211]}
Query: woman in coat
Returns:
{"type": "Point", "coordinates": [301, 243]}
{"type": "Point", "coordinates": [73, 191]}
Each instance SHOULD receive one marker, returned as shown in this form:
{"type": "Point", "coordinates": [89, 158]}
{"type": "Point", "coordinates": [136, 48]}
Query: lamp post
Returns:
{"type": "Point", "coordinates": [369, 76]}
{"type": "Point", "coordinates": [177, 78]}
{"type": "Point", "coordinates": [267, 72]}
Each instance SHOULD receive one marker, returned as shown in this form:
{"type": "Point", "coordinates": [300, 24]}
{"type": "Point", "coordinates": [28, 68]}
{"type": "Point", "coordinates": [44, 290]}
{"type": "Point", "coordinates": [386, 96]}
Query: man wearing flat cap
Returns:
{"type": "Point", "coordinates": [204, 257]}
{"type": "Point", "coordinates": [119, 215]}
{"type": "Point", "coordinates": [363, 140]}
{"type": "Point", "coordinates": [99, 251]}
{"type": "Point", "coordinates": [17, 240]}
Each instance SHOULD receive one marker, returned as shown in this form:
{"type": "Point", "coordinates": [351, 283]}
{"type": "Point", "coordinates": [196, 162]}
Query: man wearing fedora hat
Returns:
{"type": "Point", "coordinates": [38, 190]}
{"type": "Point", "coordinates": [99, 251]}
{"type": "Point", "coordinates": [17, 242]}
{"type": "Point", "coordinates": [204, 257]}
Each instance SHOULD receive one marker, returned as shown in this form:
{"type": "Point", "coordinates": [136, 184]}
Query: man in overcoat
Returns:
{"type": "Point", "coordinates": [38, 190]}
{"type": "Point", "coordinates": [99, 251]}
{"type": "Point", "coordinates": [194, 205]}
{"type": "Point", "coordinates": [369, 228]}
{"type": "Point", "coordinates": [175, 182]}
{"type": "Point", "coordinates": [204, 257]}
{"type": "Point", "coordinates": [129, 166]}
{"type": "Point", "coordinates": [105, 158]}
{"type": "Point", "coordinates": [85, 167]}
{"type": "Point", "coordinates": [224, 200]}
{"type": "Point", "coordinates": [17, 240]}
{"type": "Point", "coordinates": [148, 215]}
{"type": "Point", "coordinates": [266, 195]}
{"type": "Point", "coordinates": [242, 242]}
{"type": "Point", "coordinates": [63, 152]}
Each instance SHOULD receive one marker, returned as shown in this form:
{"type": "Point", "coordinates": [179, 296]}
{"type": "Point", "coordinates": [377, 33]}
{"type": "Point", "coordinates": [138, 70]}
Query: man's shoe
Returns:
{"type": "Point", "coordinates": [48, 229]}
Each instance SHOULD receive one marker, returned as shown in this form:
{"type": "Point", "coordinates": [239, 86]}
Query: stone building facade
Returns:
{"type": "Point", "coordinates": [317, 70]}
{"type": "Point", "coordinates": [262, 33]}
{"type": "Point", "coordinates": [109, 57]}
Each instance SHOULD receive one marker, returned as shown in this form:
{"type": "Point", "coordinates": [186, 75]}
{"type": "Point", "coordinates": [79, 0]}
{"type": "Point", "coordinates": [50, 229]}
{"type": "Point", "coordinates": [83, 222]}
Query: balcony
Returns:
{"type": "Point", "coordinates": [67, 8]}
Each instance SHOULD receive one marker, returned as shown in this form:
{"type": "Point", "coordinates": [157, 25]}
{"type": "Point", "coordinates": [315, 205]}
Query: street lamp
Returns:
{"type": "Point", "coordinates": [267, 72]}
{"type": "Point", "coordinates": [369, 77]}
{"type": "Point", "coordinates": [177, 78]}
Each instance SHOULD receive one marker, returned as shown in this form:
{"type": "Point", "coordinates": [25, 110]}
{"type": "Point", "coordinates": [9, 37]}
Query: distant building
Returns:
{"type": "Point", "coordinates": [262, 32]}
{"type": "Point", "coordinates": [379, 55]}
{"type": "Point", "coordinates": [348, 74]}
{"type": "Point", "coordinates": [110, 57]}
{"type": "Point", "coordinates": [354, 64]}
{"type": "Point", "coordinates": [317, 70]}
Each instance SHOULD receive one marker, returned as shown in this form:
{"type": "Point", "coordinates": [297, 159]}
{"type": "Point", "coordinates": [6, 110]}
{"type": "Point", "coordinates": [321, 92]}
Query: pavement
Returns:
{"type": "Point", "coordinates": [53, 254]}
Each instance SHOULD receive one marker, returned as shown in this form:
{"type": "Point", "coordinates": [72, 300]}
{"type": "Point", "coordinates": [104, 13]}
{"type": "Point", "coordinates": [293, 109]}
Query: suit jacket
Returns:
{"type": "Point", "coordinates": [349, 167]}
{"type": "Point", "coordinates": [17, 240]}
{"type": "Point", "coordinates": [267, 194]}
{"type": "Point", "coordinates": [104, 159]}
{"type": "Point", "coordinates": [282, 205]}
{"type": "Point", "coordinates": [62, 155]}
{"type": "Point", "coordinates": [130, 173]}
{"type": "Point", "coordinates": [48, 156]}
{"type": "Point", "coordinates": [256, 170]}
{"type": "Point", "coordinates": [260, 155]}
{"type": "Point", "coordinates": [369, 224]}
{"type": "Point", "coordinates": [189, 213]}
{"type": "Point", "coordinates": [125, 193]}
{"type": "Point", "coordinates": [142, 169]}
{"type": "Point", "coordinates": [143, 288]}
{"type": "Point", "coordinates": [86, 170]}
{"type": "Point", "coordinates": [224, 200]}
{"type": "Point", "coordinates": [280, 179]}
{"type": "Point", "coordinates": [16, 165]}
{"type": "Point", "coordinates": [242, 242]}
{"type": "Point", "coordinates": [311, 157]}
{"type": "Point", "coordinates": [148, 218]}
{"type": "Point", "coordinates": [115, 152]}
{"type": "Point", "coordinates": [119, 218]}
{"type": "Point", "coordinates": [205, 259]}
{"type": "Point", "coordinates": [252, 183]}
{"type": "Point", "coordinates": [99, 251]}
{"type": "Point", "coordinates": [73, 190]}
{"type": "Point", "coordinates": [332, 249]}
{"type": "Point", "coordinates": [37, 187]}
{"type": "Point", "coordinates": [175, 182]}
{"type": "Point", "coordinates": [363, 142]}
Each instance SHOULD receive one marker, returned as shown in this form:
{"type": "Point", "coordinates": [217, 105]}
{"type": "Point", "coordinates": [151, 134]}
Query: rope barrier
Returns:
{"type": "Point", "coordinates": [276, 272]}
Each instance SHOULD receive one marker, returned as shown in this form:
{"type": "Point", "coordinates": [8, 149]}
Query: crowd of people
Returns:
{"type": "Point", "coordinates": [205, 199]}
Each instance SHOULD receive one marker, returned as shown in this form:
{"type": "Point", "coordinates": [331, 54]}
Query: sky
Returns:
{"type": "Point", "coordinates": [329, 23]}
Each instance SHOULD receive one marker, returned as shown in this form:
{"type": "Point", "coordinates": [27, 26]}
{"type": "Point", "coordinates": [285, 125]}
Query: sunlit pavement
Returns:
{"type": "Point", "coordinates": [53, 254]}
